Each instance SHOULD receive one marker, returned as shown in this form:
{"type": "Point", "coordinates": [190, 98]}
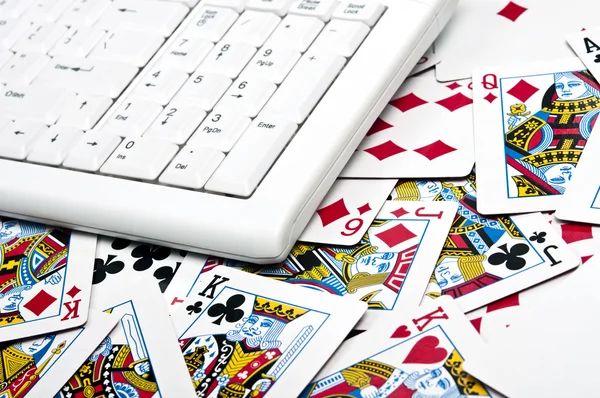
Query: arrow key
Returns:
{"type": "Point", "coordinates": [54, 144]}
{"type": "Point", "coordinates": [160, 85]}
{"type": "Point", "coordinates": [92, 150]}
{"type": "Point", "coordinates": [84, 111]}
{"type": "Point", "coordinates": [176, 123]}
{"type": "Point", "coordinates": [17, 138]}
{"type": "Point", "coordinates": [246, 97]}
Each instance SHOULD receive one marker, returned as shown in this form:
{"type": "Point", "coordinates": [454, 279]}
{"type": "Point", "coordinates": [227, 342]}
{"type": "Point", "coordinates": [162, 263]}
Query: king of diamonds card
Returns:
{"type": "Point", "coordinates": [531, 126]}
{"type": "Point", "coordinates": [45, 278]}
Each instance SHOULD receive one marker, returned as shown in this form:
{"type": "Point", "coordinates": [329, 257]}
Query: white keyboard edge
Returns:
{"type": "Point", "coordinates": [263, 228]}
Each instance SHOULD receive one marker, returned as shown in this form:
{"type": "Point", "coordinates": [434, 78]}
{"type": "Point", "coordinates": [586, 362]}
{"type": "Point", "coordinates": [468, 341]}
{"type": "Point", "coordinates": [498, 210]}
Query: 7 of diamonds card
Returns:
{"type": "Point", "coordinates": [531, 125]}
{"type": "Point", "coordinates": [45, 278]}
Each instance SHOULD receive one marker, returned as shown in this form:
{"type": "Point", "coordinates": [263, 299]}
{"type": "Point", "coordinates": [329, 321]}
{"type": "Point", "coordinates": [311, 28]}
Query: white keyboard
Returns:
{"type": "Point", "coordinates": [215, 127]}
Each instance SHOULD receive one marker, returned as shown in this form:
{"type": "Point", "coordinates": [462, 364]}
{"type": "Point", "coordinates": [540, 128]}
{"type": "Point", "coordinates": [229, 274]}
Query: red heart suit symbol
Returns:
{"type": "Point", "coordinates": [401, 332]}
{"type": "Point", "coordinates": [426, 351]}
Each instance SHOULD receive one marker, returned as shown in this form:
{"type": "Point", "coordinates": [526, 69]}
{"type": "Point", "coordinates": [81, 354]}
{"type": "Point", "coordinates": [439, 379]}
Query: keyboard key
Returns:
{"type": "Point", "coordinates": [305, 85]}
{"type": "Point", "coordinates": [140, 157]}
{"type": "Point", "coordinates": [271, 64]}
{"type": "Point", "coordinates": [14, 8]}
{"type": "Point", "coordinates": [17, 138]}
{"type": "Point", "coordinates": [53, 145]}
{"type": "Point", "coordinates": [43, 104]}
{"type": "Point", "coordinates": [203, 90]}
{"type": "Point", "coordinates": [176, 123]}
{"type": "Point", "coordinates": [252, 27]}
{"type": "Point", "coordinates": [192, 167]}
{"type": "Point", "coordinates": [246, 97]}
{"type": "Point", "coordinates": [78, 42]}
{"type": "Point", "coordinates": [83, 12]}
{"type": "Point", "coordinates": [132, 117]}
{"type": "Point", "coordinates": [5, 56]}
{"type": "Point", "coordinates": [129, 46]}
{"type": "Point", "coordinates": [365, 11]}
{"type": "Point", "coordinates": [322, 9]}
{"type": "Point", "coordinates": [227, 58]}
{"type": "Point", "coordinates": [39, 37]}
{"type": "Point", "coordinates": [220, 131]}
{"type": "Point", "coordinates": [252, 156]}
{"type": "Point", "coordinates": [296, 32]}
{"type": "Point", "coordinates": [278, 7]}
{"type": "Point", "coordinates": [237, 5]}
{"type": "Point", "coordinates": [46, 10]}
{"type": "Point", "coordinates": [23, 68]}
{"type": "Point", "coordinates": [84, 111]}
{"type": "Point", "coordinates": [92, 150]}
{"type": "Point", "coordinates": [211, 23]}
{"type": "Point", "coordinates": [11, 30]}
{"type": "Point", "coordinates": [160, 85]}
{"type": "Point", "coordinates": [89, 76]}
{"type": "Point", "coordinates": [341, 37]}
{"type": "Point", "coordinates": [186, 53]}
{"type": "Point", "coordinates": [146, 15]}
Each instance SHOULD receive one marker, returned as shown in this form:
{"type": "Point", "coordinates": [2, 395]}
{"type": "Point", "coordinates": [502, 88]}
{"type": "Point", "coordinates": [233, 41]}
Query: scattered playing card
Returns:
{"type": "Point", "coordinates": [531, 125]}
{"type": "Point", "coordinates": [586, 45]}
{"type": "Point", "coordinates": [40, 365]}
{"type": "Point", "coordinates": [140, 357]}
{"type": "Point", "coordinates": [245, 334]}
{"type": "Point", "coordinates": [121, 259]}
{"type": "Point", "coordinates": [347, 211]}
{"type": "Point", "coordinates": [494, 32]}
{"type": "Point", "coordinates": [492, 320]}
{"type": "Point", "coordinates": [425, 131]}
{"type": "Point", "coordinates": [428, 60]}
{"type": "Point", "coordinates": [581, 202]}
{"type": "Point", "coordinates": [183, 282]}
{"type": "Point", "coordinates": [389, 268]}
{"type": "Point", "coordinates": [560, 324]}
{"type": "Point", "coordinates": [46, 278]}
{"type": "Point", "coordinates": [420, 356]}
{"type": "Point", "coordinates": [487, 258]}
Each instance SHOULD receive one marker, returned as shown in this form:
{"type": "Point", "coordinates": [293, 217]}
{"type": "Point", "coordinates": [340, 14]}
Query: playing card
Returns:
{"type": "Point", "coordinates": [428, 60]}
{"type": "Point", "coordinates": [420, 356]}
{"type": "Point", "coordinates": [488, 258]}
{"type": "Point", "coordinates": [586, 45]}
{"type": "Point", "coordinates": [492, 320]}
{"type": "Point", "coordinates": [46, 278]}
{"type": "Point", "coordinates": [244, 334]}
{"type": "Point", "coordinates": [183, 282]}
{"type": "Point", "coordinates": [121, 259]}
{"type": "Point", "coordinates": [40, 365]}
{"type": "Point", "coordinates": [581, 202]}
{"type": "Point", "coordinates": [425, 131]}
{"type": "Point", "coordinates": [531, 125]}
{"type": "Point", "coordinates": [140, 357]}
{"type": "Point", "coordinates": [493, 32]}
{"type": "Point", "coordinates": [389, 268]}
{"type": "Point", "coordinates": [559, 325]}
{"type": "Point", "coordinates": [347, 211]}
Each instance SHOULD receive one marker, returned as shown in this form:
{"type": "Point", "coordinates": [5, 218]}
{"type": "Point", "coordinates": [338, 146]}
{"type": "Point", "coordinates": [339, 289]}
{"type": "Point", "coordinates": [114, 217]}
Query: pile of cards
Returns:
{"type": "Point", "coordinates": [445, 262]}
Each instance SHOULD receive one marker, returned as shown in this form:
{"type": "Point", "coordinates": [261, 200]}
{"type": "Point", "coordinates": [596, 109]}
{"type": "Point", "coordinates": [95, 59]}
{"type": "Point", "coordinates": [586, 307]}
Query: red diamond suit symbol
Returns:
{"type": "Point", "coordinates": [522, 90]}
{"type": "Point", "coordinates": [40, 302]}
{"type": "Point", "coordinates": [333, 212]}
{"type": "Point", "coordinates": [395, 235]}
{"type": "Point", "coordinates": [512, 11]}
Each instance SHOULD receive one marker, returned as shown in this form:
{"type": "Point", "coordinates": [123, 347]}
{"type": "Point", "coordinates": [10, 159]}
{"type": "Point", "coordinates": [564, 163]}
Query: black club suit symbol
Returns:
{"type": "Point", "coordinates": [597, 59]}
{"type": "Point", "coordinates": [102, 268]}
{"type": "Point", "coordinates": [511, 258]}
{"type": "Point", "coordinates": [539, 237]}
{"type": "Point", "coordinates": [229, 310]}
{"type": "Point", "coordinates": [195, 308]}
{"type": "Point", "coordinates": [147, 254]}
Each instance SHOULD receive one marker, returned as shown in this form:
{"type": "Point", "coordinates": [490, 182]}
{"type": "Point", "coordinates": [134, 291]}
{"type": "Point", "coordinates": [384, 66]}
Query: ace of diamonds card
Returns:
{"type": "Point", "coordinates": [45, 278]}
{"type": "Point", "coordinates": [532, 123]}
